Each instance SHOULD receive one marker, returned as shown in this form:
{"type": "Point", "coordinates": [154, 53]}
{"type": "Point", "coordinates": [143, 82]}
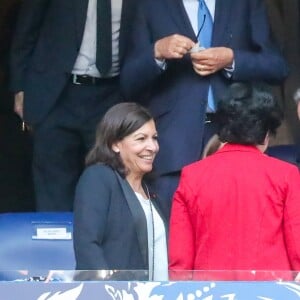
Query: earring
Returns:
{"type": "Point", "coordinates": [115, 149]}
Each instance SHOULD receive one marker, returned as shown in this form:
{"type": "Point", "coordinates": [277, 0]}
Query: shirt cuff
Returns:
{"type": "Point", "coordinates": [229, 70]}
{"type": "Point", "coordinates": [161, 63]}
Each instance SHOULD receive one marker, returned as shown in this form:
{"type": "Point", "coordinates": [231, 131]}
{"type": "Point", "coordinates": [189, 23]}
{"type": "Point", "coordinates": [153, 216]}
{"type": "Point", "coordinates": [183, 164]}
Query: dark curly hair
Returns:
{"type": "Point", "coordinates": [247, 113]}
{"type": "Point", "coordinates": [119, 121]}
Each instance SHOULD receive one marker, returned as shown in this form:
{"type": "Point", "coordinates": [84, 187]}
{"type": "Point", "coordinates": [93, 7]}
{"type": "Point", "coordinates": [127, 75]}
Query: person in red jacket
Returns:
{"type": "Point", "coordinates": [238, 209]}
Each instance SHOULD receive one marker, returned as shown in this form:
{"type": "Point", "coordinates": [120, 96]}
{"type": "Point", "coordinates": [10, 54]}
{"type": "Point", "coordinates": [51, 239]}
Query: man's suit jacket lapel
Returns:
{"type": "Point", "coordinates": [221, 21]}
{"type": "Point", "coordinates": [180, 17]}
{"type": "Point", "coordinates": [128, 8]}
{"type": "Point", "coordinates": [80, 9]}
{"type": "Point", "coordinates": [137, 215]}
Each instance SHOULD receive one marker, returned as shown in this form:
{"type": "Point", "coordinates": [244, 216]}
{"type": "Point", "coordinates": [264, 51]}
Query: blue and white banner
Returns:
{"type": "Point", "coordinates": [129, 290]}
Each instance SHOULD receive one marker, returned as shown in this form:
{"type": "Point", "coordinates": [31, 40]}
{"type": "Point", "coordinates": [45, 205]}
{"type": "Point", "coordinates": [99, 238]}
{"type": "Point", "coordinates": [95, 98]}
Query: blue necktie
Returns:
{"type": "Point", "coordinates": [205, 23]}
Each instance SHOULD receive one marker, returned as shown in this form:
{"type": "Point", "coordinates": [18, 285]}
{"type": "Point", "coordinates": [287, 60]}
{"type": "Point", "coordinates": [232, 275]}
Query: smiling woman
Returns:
{"type": "Point", "coordinates": [112, 194]}
{"type": "Point", "coordinates": [137, 152]}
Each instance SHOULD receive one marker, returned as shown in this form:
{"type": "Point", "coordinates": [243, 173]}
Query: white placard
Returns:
{"type": "Point", "coordinates": [52, 233]}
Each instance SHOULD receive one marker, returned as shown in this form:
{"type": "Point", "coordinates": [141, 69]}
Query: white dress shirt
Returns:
{"type": "Point", "coordinates": [86, 61]}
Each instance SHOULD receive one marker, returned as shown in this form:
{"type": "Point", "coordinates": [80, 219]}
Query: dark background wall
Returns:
{"type": "Point", "coordinates": [16, 193]}
{"type": "Point", "coordinates": [15, 146]}
{"type": "Point", "coordinates": [284, 17]}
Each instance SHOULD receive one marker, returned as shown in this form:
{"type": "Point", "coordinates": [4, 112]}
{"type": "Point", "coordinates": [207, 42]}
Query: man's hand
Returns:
{"type": "Point", "coordinates": [172, 47]}
{"type": "Point", "coordinates": [211, 60]}
{"type": "Point", "coordinates": [298, 109]}
{"type": "Point", "coordinates": [19, 102]}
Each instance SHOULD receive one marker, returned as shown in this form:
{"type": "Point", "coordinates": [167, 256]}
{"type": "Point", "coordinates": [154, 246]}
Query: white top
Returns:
{"type": "Point", "coordinates": [160, 243]}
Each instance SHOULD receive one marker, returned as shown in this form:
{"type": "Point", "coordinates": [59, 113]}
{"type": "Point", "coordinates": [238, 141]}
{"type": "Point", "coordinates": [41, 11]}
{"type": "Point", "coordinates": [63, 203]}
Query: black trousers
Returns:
{"type": "Point", "coordinates": [63, 139]}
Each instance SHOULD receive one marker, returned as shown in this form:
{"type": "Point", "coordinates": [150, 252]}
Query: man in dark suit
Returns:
{"type": "Point", "coordinates": [177, 84]}
{"type": "Point", "coordinates": [65, 62]}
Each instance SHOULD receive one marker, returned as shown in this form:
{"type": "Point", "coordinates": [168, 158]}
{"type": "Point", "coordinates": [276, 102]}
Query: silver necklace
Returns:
{"type": "Point", "coordinates": [153, 232]}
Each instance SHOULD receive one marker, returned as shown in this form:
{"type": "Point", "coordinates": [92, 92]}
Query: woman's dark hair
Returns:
{"type": "Point", "coordinates": [247, 113]}
{"type": "Point", "coordinates": [119, 121]}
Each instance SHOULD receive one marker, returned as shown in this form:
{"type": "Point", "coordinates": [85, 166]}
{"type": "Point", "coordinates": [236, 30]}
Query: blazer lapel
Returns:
{"type": "Point", "coordinates": [137, 215]}
{"type": "Point", "coordinates": [81, 7]}
{"type": "Point", "coordinates": [221, 21]}
{"type": "Point", "coordinates": [127, 7]}
{"type": "Point", "coordinates": [180, 17]}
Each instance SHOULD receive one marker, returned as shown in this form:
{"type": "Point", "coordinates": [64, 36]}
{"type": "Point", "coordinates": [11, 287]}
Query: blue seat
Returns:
{"type": "Point", "coordinates": [288, 153]}
{"type": "Point", "coordinates": [36, 241]}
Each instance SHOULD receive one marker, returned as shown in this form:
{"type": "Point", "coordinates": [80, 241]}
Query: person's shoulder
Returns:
{"type": "Point", "coordinates": [97, 178]}
{"type": "Point", "coordinates": [98, 167]}
{"type": "Point", "coordinates": [95, 186]}
{"type": "Point", "coordinates": [98, 171]}
{"type": "Point", "coordinates": [205, 161]}
{"type": "Point", "coordinates": [192, 167]}
{"type": "Point", "coordinates": [281, 165]}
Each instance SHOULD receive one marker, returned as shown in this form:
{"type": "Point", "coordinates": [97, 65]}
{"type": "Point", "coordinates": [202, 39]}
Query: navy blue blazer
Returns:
{"type": "Point", "coordinates": [46, 43]}
{"type": "Point", "coordinates": [177, 96]}
{"type": "Point", "coordinates": [110, 227]}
